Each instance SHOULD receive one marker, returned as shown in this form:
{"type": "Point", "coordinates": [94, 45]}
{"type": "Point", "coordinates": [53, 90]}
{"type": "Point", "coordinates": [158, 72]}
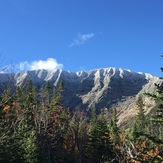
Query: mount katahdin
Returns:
{"type": "Point", "coordinates": [103, 88]}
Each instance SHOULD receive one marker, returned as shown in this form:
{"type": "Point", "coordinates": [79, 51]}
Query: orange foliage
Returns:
{"type": "Point", "coordinates": [146, 152]}
{"type": "Point", "coordinates": [6, 107]}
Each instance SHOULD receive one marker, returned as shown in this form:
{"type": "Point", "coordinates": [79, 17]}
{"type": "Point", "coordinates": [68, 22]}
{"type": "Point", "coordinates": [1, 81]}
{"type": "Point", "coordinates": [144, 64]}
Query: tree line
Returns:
{"type": "Point", "coordinates": [35, 127]}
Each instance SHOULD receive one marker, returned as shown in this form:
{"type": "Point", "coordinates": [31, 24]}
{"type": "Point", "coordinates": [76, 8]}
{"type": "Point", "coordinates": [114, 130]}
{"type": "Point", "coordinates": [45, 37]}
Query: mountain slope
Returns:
{"type": "Point", "coordinates": [103, 88]}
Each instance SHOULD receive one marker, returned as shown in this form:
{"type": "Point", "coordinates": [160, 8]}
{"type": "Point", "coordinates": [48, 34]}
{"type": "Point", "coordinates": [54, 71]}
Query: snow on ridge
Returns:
{"type": "Point", "coordinates": [46, 75]}
{"type": "Point", "coordinates": [112, 71]}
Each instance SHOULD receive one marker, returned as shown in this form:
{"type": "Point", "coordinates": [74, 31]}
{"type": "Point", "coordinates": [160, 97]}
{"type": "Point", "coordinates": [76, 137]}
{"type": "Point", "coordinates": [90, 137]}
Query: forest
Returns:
{"type": "Point", "coordinates": [35, 127]}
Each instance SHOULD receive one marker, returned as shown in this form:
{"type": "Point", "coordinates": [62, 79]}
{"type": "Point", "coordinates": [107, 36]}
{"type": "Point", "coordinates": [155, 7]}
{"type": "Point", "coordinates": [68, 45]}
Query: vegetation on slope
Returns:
{"type": "Point", "coordinates": [36, 127]}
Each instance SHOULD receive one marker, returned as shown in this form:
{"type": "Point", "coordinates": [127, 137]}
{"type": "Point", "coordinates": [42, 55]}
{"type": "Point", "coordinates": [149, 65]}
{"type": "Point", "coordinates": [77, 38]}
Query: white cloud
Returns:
{"type": "Point", "coordinates": [49, 64]}
{"type": "Point", "coordinates": [81, 39]}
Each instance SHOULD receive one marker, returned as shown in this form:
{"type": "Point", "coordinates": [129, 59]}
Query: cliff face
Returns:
{"type": "Point", "coordinates": [103, 88]}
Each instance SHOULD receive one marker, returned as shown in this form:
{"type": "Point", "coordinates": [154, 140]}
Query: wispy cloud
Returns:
{"type": "Point", "coordinates": [49, 64]}
{"type": "Point", "coordinates": [81, 39]}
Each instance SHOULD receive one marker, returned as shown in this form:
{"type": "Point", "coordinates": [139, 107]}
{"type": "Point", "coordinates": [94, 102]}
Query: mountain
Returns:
{"type": "Point", "coordinates": [104, 88]}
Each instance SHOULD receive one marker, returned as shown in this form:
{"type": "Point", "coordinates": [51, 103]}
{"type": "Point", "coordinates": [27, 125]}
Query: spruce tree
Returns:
{"type": "Point", "coordinates": [152, 141]}
{"type": "Point", "coordinates": [140, 117]}
{"type": "Point", "coordinates": [114, 129]}
{"type": "Point", "coordinates": [10, 150]}
{"type": "Point", "coordinates": [139, 125]}
{"type": "Point", "coordinates": [99, 144]}
{"type": "Point", "coordinates": [28, 142]}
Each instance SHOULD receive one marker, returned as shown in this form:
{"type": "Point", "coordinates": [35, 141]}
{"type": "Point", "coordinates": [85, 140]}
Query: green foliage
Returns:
{"type": "Point", "coordinates": [76, 136]}
{"type": "Point", "coordinates": [140, 120]}
{"type": "Point", "coordinates": [147, 133]}
{"type": "Point", "coordinates": [57, 98]}
{"type": "Point", "coordinates": [157, 120]}
{"type": "Point", "coordinates": [14, 144]}
{"type": "Point", "coordinates": [114, 129]}
{"type": "Point", "coordinates": [35, 127]}
{"type": "Point", "coordinates": [28, 142]}
{"type": "Point", "coordinates": [93, 119]}
{"type": "Point", "coordinates": [99, 145]}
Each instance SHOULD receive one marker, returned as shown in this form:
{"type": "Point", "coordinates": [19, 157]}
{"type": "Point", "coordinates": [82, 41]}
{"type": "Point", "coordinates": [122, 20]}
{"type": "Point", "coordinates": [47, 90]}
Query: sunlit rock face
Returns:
{"type": "Point", "coordinates": [104, 88]}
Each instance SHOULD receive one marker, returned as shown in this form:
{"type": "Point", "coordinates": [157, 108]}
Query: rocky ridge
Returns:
{"type": "Point", "coordinates": [104, 88]}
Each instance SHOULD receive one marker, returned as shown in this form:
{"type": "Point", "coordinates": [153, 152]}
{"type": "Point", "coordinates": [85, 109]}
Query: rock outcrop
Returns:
{"type": "Point", "coordinates": [104, 88]}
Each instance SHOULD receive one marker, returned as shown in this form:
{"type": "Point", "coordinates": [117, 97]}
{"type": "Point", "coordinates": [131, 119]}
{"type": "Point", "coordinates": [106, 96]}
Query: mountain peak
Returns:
{"type": "Point", "coordinates": [103, 87]}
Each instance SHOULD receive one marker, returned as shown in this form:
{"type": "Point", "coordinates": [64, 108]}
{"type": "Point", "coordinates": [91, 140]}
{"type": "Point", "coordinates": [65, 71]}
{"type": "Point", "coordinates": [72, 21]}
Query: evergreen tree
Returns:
{"type": "Point", "coordinates": [76, 137]}
{"type": "Point", "coordinates": [140, 117]}
{"type": "Point", "coordinates": [158, 118]}
{"type": "Point", "coordinates": [25, 116]}
{"type": "Point", "coordinates": [99, 145]}
{"type": "Point", "coordinates": [13, 146]}
{"type": "Point", "coordinates": [140, 122]}
{"type": "Point", "coordinates": [10, 150]}
{"type": "Point", "coordinates": [28, 142]}
{"type": "Point", "coordinates": [93, 119]}
{"type": "Point", "coordinates": [47, 94]}
{"type": "Point", "coordinates": [152, 143]}
{"type": "Point", "coordinates": [56, 102]}
{"type": "Point", "coordinates": [53, 126]}
{"type": "Point", "coordinates": [114, 129]}
{"type": "Point", "coordinates": [117, 139]}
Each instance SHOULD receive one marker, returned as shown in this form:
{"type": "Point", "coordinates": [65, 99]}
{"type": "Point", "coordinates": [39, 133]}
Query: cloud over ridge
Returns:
{"type": "Point", "coordinates": [49, 64]}
{"type": "Point", "coordinates": [81, 39]}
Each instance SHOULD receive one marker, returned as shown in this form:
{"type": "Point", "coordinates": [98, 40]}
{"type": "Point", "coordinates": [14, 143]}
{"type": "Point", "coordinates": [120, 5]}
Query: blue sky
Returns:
{"type": "Point", "coordinates": [80, 35]}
